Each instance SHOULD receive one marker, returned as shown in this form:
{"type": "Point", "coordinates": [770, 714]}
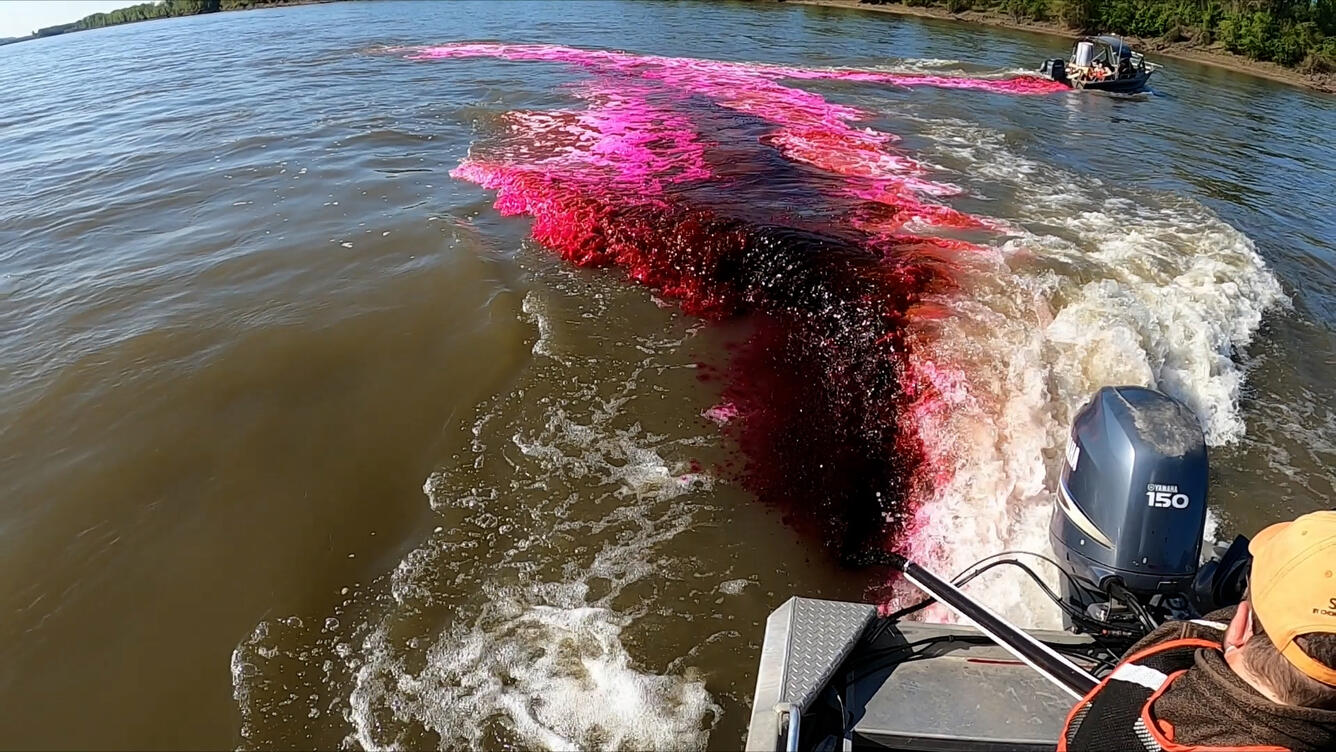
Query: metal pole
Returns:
{"type": "Point", "coordinates": [795, 717]}
{"type": "Point", "coordinates": [1056, 668]}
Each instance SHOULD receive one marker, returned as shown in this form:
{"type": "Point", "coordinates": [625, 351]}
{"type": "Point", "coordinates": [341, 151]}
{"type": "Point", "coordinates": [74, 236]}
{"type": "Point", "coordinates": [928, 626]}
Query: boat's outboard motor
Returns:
{"type": "Point", "coordinates": [1131, 508]}
{"type": "Point", "coordinates": [1056, 69]}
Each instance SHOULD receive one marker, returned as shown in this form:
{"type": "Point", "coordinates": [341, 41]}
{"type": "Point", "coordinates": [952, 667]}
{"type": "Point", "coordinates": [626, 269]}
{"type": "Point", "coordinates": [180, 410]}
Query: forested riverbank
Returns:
{"type": "Point", "coordinates": [1286, 40]}
{"type": "Point", "coordinates": [151, 11]}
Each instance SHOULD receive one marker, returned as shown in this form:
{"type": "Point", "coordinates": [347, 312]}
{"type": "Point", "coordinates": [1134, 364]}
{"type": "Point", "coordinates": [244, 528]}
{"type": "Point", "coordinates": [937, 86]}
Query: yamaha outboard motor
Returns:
{"type": "Point", "coordinates": [1056, 69]}
{"type": "Point", "coordinates": [1131, 510]}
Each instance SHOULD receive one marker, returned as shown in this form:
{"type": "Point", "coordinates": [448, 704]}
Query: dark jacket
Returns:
{"type": "Point", "coordinates": [1211, 706]}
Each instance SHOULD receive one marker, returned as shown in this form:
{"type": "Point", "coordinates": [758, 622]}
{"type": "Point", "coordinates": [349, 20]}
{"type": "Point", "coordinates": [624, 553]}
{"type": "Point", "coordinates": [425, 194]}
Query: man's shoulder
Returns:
{"type": "Point", "coordinates": [1212, 706]}
{"type": "Point", "coordinates": [1212, 626]}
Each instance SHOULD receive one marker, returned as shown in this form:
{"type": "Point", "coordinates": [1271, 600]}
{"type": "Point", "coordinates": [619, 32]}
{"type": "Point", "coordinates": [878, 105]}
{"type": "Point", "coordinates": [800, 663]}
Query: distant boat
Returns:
{"type": "Point", "coordinates": [1103, 63]}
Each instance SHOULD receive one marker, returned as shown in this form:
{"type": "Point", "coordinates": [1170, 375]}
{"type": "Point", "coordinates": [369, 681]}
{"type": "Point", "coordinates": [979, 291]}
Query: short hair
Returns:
{"type": "Point", "coordinates": [1291, 685]}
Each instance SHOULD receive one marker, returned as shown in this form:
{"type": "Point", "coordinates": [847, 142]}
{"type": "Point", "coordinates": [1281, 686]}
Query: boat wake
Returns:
{"type": "Point", "coordinates": [867, 401]}
{"type": "Point", "coordinates": [569, 522]}
{"type": "Point", "coordinates": [1092, 286]}
{"type": "Point", "coordinates": [726, 187]}
{"type": "Point", "coordinates": [905, 382]}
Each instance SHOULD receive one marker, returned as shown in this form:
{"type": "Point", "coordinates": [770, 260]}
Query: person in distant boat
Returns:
{"type": "Point", "coordinates": [1260, 676]}
{"type": "Point", "coordinates": [1100, 69]}
{"type": "Point", "coordinates": [1124, 66]}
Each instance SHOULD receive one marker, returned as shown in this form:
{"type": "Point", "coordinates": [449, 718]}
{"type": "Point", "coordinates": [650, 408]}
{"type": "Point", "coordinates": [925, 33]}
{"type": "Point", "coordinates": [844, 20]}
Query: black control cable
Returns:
{"type": "Point", "coordinates": [1117, 590]}
{"type": "Point", "coordinates": [1077, 615]}
{"type": "Point", "coordinates": [1094, 628]}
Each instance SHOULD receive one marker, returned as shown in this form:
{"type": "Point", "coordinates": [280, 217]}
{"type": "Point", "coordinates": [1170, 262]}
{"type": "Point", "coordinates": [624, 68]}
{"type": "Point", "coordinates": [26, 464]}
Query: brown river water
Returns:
{"type": "Point", "coordinates": [303, 443]}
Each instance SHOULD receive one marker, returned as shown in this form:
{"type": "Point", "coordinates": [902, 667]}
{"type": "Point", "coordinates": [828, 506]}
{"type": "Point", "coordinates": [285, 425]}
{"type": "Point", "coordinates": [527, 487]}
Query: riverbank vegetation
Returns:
{"type": "Point", "coordinates": [1295, 33]}
{"type": "Point", "coordinates": [153, 10]}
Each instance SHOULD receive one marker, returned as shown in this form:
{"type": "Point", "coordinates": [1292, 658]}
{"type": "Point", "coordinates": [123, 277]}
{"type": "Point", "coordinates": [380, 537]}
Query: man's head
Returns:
{"type": "Point", "coordinates": [1283, 637]}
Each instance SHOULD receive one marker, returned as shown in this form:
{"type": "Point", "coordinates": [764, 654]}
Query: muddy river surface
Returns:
{"type": "Point", "coordinates": [444, 375]}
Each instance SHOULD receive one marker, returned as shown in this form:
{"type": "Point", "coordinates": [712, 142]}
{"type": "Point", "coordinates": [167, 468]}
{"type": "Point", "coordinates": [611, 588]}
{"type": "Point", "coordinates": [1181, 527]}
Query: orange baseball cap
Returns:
{"type": "Point", "coordinates": [1293, 586]}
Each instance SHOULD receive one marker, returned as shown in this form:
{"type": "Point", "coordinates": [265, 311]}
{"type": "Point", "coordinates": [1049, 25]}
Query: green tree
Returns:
{"type": "Point", "coordinates": [1081, 15]}
{"type": "Point", "coordinates": [1291, 32]}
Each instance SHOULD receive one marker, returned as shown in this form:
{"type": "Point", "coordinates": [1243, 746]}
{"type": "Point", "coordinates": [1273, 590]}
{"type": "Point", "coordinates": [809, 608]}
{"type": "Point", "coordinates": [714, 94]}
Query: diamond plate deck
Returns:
{"type": "Point", "coordinates": [806, 640]}
{"type": "Point", "coordinates": [821, 634]}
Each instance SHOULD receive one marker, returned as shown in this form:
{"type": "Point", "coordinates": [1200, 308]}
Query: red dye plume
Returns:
{"type": "Point", "coordinates": [718, 184]}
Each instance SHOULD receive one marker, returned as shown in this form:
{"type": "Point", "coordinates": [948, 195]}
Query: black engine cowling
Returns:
{"type": "Point", "coordinates": [1056, 69]}
{"type": "Point", "coordinates": [1131, 505]}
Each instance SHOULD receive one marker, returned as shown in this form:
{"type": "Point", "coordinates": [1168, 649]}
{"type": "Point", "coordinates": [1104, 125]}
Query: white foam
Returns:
{"type": "Point", "coordinates": [946, 67]}
{"type": "Point", "coordinates": [1095, 287]}
{"type": "Point", "coordinates": [733, 587]}
{"type": "Point", "coordinates": [561, 678]}
{"type": "Point", "coordinates": [545, 655]}
{"type": "Point", "coordinates": [535, 311]}
{"type": "Point", "coordinates": [507, 626]}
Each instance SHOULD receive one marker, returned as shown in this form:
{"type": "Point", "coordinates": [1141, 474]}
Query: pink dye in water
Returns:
{"type": "Point", "coordinates": [722, 413]}
{"type": "Point", "coordinates": [725, 187]}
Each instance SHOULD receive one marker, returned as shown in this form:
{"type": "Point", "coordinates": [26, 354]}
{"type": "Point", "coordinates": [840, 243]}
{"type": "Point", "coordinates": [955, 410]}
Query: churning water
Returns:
{"type": "Point", "coordinates": [403, 375]}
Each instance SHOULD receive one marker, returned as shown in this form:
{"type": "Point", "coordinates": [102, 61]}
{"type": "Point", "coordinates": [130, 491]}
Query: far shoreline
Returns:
{"type": "Point", "coordinates": [1176, 50]}
{"type": "Point", "coordinates": [262, 5]}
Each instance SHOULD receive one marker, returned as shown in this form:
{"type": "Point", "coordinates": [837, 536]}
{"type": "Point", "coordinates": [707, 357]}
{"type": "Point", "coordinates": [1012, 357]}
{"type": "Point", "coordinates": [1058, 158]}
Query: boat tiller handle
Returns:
{"type": "Point", "coordinates": [1075, 680]}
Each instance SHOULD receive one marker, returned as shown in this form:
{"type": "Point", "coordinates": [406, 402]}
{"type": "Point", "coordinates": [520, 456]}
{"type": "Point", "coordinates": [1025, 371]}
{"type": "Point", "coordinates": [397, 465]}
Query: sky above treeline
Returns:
{"type": "Point", "coordinates": [19, 18]}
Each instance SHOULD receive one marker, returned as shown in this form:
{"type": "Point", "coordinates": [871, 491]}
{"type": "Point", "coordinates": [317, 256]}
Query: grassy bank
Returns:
{"type": "Point", "coordinates": [1314, 70]}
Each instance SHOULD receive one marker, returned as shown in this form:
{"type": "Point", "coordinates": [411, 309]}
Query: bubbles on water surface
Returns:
{"type": "Point", "coordinates": [951, 452]}
{"type": "Point", "coordinates": [884, 328]}
{"type": "Point", "coordinates": [1094, 286]}
{"type": "Point", "coordinates": [507, 627]}
{"type": "Point", "coordinates": [908, 383]}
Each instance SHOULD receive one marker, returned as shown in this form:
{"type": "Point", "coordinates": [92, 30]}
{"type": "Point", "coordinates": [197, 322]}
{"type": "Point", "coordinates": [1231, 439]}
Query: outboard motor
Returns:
{"type": "Point", "coordinates": [1056, 69]}
{"type": "Point", "coordinates": [1131, 510]}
